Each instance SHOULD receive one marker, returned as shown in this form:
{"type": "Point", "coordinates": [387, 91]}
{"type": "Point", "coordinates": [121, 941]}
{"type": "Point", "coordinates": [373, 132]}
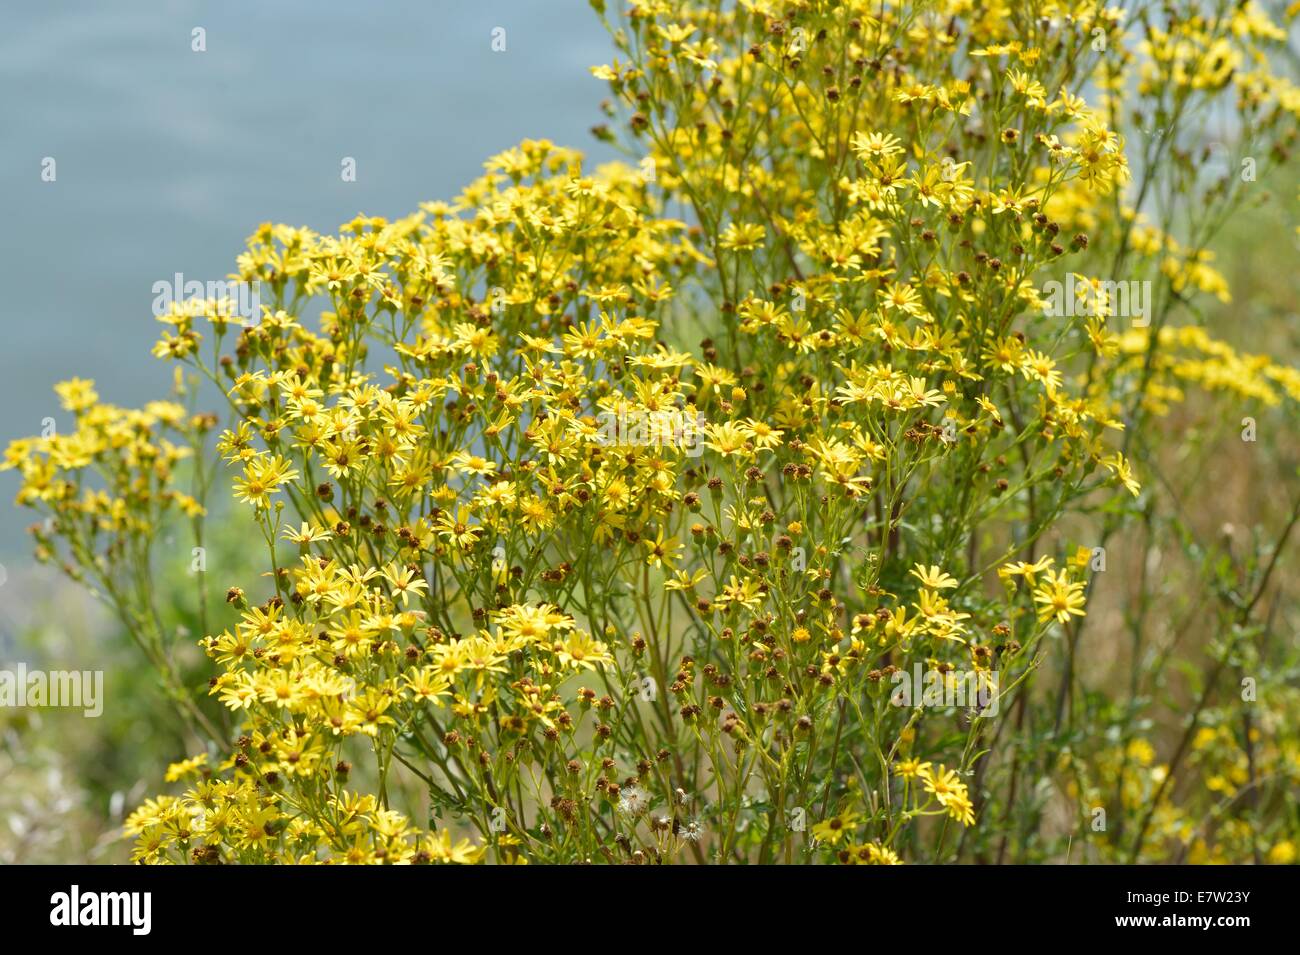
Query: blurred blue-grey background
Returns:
{"type": "Point", "coordinates": [168, 158]}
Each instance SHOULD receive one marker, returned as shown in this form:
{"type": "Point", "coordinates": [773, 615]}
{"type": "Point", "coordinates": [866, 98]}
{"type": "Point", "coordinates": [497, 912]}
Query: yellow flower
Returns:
{"type": "Point", "coordinates": [838, 827]}
{"type": "Point", "coordinates": [582, 652]}
{"type": "Point", "coordinates": [1283, 853]}
{"type": "Point", "coordinates": [456, 528]}
{"type": "Point", "coordinates": [263, 477]}
{"type": "Point", "coordinates": [661, 550]}
{"type": "Point", "coordinates": [1059, 598]}
{"type": "Point", "coordinates": [911, 768]}
{"type": "Point", "coordinates": [950, 792]}
{"type": "Point", "coordinates": [185, 768]}
{"type": "Point", "coordinates": [1121, 469]}
{"type": "Point", "coordinates": [77, 394]}
{"type": "Point", "coordinates": [932, 577]}
{"type": "Point", "coordinates": [742, 236]}
{"type": "Point", "coordinates": [1026, 570]}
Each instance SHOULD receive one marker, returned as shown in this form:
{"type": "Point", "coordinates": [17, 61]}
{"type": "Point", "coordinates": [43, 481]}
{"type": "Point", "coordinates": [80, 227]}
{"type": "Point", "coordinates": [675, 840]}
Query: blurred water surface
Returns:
{"type": "Point", "coordinates": [167, 158]}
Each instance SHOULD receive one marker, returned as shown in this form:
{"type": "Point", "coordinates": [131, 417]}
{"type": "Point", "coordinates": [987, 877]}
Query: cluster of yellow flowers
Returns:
{"type": "Point", "coordinates": [488, 609]}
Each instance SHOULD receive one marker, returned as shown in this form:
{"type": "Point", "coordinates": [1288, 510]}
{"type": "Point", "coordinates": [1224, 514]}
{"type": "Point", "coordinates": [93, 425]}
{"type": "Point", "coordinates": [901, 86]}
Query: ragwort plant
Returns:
{"type": "Point", "coordinates": [607, 514]}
